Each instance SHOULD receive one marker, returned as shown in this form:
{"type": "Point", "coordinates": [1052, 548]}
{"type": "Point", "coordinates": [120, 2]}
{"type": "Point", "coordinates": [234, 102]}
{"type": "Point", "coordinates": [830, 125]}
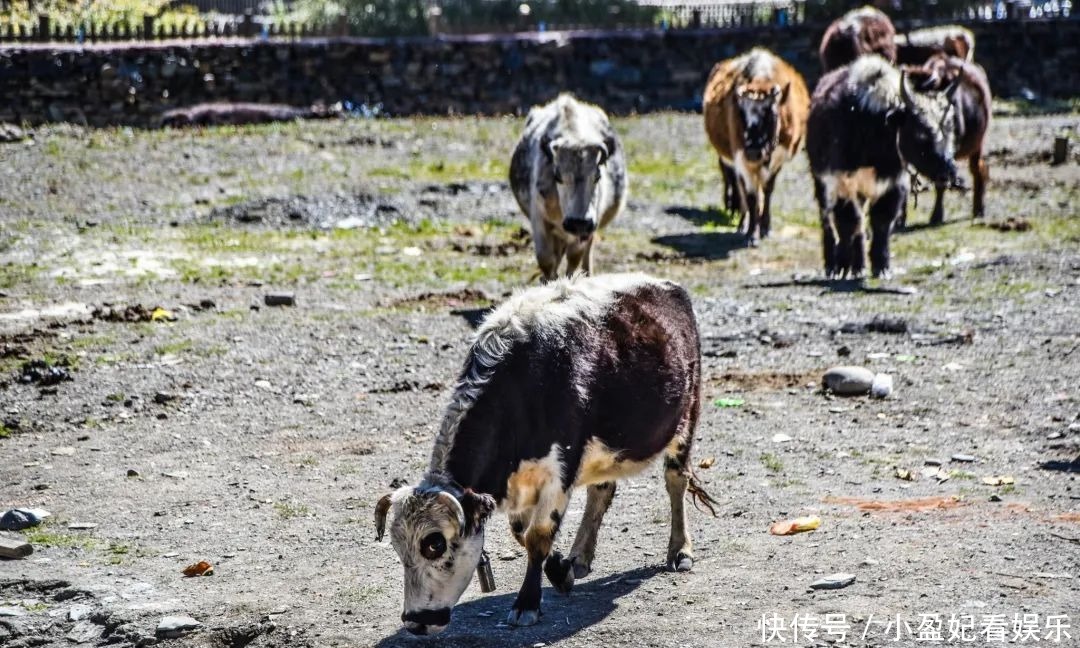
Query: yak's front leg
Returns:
{"type": "Point", "coordinates": [584, 549]}
{"type": "Point", "coordinates": [539, 537]}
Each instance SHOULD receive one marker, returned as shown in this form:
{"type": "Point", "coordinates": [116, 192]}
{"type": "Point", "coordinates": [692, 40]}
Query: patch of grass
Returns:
{"type": "Point", "coordinates": [362, 595]}
{"type": "Point", "coordinates": [771, 462]}
{"type": "Point", "coordinates": [961, 475]}
{"type": "Point", "coordinates": [13, 274]}
{"type": "Point", "coordinates": [43, 537]}
{"type": "Point", "coordinates": [5, 431]}
{"type": "Point", "coordinates": [287, 511]}
{"type": "Point", "coordinates": [91, 341]}
{"type": "Point", "coordinates": [175, 347]}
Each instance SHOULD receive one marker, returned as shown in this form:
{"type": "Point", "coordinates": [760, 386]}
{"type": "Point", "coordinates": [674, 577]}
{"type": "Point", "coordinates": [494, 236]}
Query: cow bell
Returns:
{"type": "Point", "coordinates": [484, 574]}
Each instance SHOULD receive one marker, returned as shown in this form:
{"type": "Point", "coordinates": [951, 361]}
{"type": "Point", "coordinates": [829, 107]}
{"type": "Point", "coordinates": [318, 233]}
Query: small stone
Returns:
{"type": "Point", "coordinates": [933, 462]}
{"type": "Point", "coordinates": [78, 612]}
{"type": "Point", "coordinates": [780, 438]}
{"type": "Point", "coordinates": [963, 458]}
{"type": "Point", "coordinates": [81, 526]}
{"type": "Point", "coordinates": [63, 451]}
{"type": "Point", "coordinates": [868, 562]}
{"type": "Point", "coordinates": [132, 472]}
{"type": "Point", "coordinates": [263, 384]}
{"type": "Point", "coordinates": [953, 366]}
{"type": "Point", "coordinates": [882, 387]}
{"type": "Point", "coordinates": [833, 581]}
{"type": "Point", "coordinates": [179, 474]}
{"type": "Point", "coordinates": [1053, 436]}
{"type": "Point", "coordinates": [843, 351]}
{"type": "Point", "coordinates": [162, 398]}
{"type": "Point", "coordinates": [176, 626]}
{"type": "Point", "coordinates": [995, 498]}
{"type": "Point", "coordinates": [280, 299]}
{"type": "Point", "coordinates": [85, 632]}
{"type": "Point", "coordinates": [848, 381]}
{"type": "Point", "coordinates": [22, 518]}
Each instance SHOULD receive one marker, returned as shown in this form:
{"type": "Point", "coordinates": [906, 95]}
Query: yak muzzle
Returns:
{"type": "Point", "coordinates": [426, 622]}
{"type": "Point", "coordinates": [579, 227]}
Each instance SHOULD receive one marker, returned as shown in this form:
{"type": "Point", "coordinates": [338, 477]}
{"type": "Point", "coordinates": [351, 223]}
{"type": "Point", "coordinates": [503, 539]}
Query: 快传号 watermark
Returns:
{"type": "Point", "coordinates": [928, 628]}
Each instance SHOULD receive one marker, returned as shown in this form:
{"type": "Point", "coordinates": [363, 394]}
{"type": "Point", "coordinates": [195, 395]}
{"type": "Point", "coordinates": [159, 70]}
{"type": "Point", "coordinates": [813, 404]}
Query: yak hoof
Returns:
{"type": "Point", "coordinates": [560, 572]}
{"type": "Point", "coordinates": [523, 617]}
{"type": "Point", "coordinates": [682, 562]}
{"type": "Point", "coordinates": [581, 570]}
{"type": "Point", "coordinates": [752, 241]}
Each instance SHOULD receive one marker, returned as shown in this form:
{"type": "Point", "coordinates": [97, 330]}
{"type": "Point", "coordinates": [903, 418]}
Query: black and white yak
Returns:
{"type": "Point", "coordinates": [866, 126]}
{"type": "Point", "coordinates": [568, 175]}
{"type": "Point", "coordinates": [578, 382]}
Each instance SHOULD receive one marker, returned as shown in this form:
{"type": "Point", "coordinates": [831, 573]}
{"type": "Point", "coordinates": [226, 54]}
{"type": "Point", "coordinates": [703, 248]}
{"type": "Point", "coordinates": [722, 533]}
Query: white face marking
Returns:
{"type": "Point", "coordinates": [434, 580]}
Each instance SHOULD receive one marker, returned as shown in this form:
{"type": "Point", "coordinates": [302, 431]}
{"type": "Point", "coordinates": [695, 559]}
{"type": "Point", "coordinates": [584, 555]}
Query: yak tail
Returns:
{"type": "Point", "coordinates": [698, 494]}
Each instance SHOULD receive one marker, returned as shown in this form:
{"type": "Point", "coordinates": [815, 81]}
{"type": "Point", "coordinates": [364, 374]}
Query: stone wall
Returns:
{"type": "Point", "coordinates": [623, 71]}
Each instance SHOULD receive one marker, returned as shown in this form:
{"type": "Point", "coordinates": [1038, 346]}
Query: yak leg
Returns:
{"type": "Point", "coordinates": [679, 479]}
{"type": "Point", "coordinates": [730, 195]}
{"type": "Point", "coordinates": [751, 203]}
{"type": "Point", "coordinates": [980, 175]}
{"type": "Point", "coordinates": [937, 217]}
{"type": "Point", "coordinates": [883, 214]}
{"type": "Point", "coordinates": [579, 254]}
{"type": "Point", "coordinates": [766, 213]}
{"type": "Point", "coordinates": [549, 248]}
{"type": "Point", "coordinates": [850, 246]}
{"type": "Point", "coordinates": [544, 518]}
{"type": "Point", "coordinates": [596, 505]}
{"type": "Point", "coordinates": [828, 229]}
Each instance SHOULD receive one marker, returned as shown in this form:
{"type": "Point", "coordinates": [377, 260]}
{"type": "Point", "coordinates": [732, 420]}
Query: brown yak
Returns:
{"type": "Point", "coordinates": [755, 116]}
{"type": "Point", "coordinates": [859, 31]}
{"type": "Point", "coordinates": [916, 47]}
{"type": "Point", "coordinates": [971, 116]}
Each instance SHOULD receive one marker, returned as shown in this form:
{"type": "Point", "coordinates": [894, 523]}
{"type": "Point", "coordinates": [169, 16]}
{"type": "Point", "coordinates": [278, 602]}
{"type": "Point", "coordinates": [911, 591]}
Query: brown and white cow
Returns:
{"type": "Point", "coordinates": [860, 31]}
{"type": "Point", "coordinates": [755, 116]}
{"type": "Point", "coordinates": [577, 382]}
{"type": "Point", "coordinates": [866, 126]}
{"type": "Point", "coordinates": [971, 117]}
{"type": "Point", "coordinates": [568, 174]}
{"type": "Point", "coordinates": [916, 47]}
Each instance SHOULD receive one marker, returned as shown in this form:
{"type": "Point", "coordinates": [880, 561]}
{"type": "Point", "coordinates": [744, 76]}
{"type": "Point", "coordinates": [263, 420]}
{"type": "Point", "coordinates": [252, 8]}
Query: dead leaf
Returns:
{"type": "Point", "coordinates": [707, 463]}
{"type": "Point", "coordinates": [201, 568]}
{"type": "Point", "coordinates": [798, 525]}
{"type": "Point", "coordinates": [903, 473]}
{"type": "Point", "coordinates": [159, 314]}
{"type": "Point", "coordinates": [897, 506]}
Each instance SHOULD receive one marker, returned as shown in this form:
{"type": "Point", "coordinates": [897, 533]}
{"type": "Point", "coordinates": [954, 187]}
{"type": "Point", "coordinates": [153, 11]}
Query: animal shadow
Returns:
{"type": "Point", "coordinates": [711, 215]}
{"type": "Point", "coordinates": [709, 246]}
{"type": "Point", "coordinates": [473, 316]}
{"type": "Point", "coordinates": [480, 622]}
{"type": "Point", "coordinates": [1062, 466]}
{"type": "Point", "coordinates": [837, 286]}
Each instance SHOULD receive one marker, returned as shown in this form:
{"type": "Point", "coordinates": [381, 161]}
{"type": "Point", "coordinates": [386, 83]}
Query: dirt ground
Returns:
{"type": "Point", "coordinates": [259, 437]}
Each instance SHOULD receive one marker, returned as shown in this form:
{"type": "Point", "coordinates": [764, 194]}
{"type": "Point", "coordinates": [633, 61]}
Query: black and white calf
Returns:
{"type": "Point", "coordinates": [866, 125]}
{"type": "Point", "coordinates": [579, 382]}
{"type": "Point", "coordinates": [568, 175]}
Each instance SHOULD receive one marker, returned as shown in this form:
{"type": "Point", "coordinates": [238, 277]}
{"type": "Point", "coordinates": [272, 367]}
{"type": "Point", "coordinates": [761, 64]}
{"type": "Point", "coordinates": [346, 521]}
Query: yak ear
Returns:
{"type": "Point", "coordinates": [381, 509]}
{"type": "Point", "coordinates": [784, 92]}
{"type": "Point", "coordinates": [546, 148]}
{"type": "Point", "coordinates": [478, 508]}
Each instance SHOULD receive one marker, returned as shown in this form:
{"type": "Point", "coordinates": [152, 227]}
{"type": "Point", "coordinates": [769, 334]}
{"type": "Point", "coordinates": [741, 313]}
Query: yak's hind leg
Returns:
{"type": "Point", "coordinates": [584, 549]}
{"type": "Point", "coordinates": [679, 479]}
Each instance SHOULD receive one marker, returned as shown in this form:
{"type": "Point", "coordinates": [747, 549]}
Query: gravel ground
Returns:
{"type": "Point", "coordinates": [259, 438]}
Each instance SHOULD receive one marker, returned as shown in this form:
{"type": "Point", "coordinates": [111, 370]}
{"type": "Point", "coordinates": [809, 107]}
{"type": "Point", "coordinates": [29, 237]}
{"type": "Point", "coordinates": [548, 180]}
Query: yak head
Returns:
{"type": "Point", "coordinates": [577, 166]}
{"type": "Point", "coordinates": [759, 114]}
{"type": "Point", "coordinates": [438, 533]}
{"type": "Point", "coordinates": [926, 131]}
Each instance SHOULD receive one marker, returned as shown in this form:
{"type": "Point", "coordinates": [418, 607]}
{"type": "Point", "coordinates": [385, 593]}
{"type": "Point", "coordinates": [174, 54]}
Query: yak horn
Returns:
{"type": "Point", "coordinates": [452, 503]}
{"type": "Point", "coordinates": [381, 509]}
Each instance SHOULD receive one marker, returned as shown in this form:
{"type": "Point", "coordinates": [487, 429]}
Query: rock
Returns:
{"type": "Point", "coordinates": [84, 632]}
{"type": "Point", "coordinates": [833, 581]}
{"type": "Point", "coordinates": [882, 387]}
{"type": "Point", "coordinates": [78, 612]}
{"type": "Point", "coordinates": [62, 451]}
{"type": "Point", "coordinates": [12, 611]}
{"type": "Point", "coordinates": [176, 626]}
{"type": "Point", "coordinates": [13, 548]}
{"type": "Point", "coordinates": [933, 462]}
{"type": "Point", "coordinates": [781, 438]}
{"type": "Point", "coordinates": [963, 458]}
{"type": "Point", "coordinates": [11, 133]}
{"type": "Point", "coordinates": [82, 526]}
{"type": "Point", "coordinates": [868, 562]}
{"type": "Point", "coordinates": [280, 299]}
{"type": "Point", "coordinates": [162, 398]}
{"type": "Point", "coordinates": [22, 518]}
{"type": "Point", "coordinates": [132, 472]}
{"type": "Point", "coordinates": [848, 381]}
